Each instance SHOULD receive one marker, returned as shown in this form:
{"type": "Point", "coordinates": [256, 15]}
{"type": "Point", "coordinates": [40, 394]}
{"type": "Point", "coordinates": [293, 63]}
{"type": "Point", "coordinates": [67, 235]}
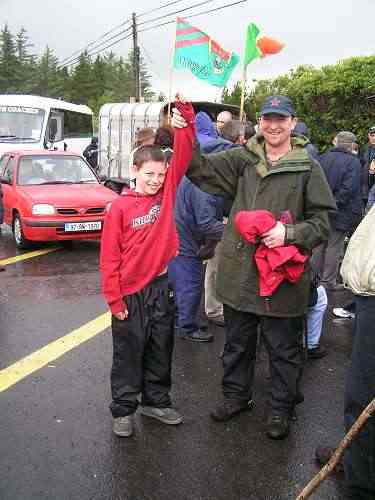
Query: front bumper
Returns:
{"type": "Point", "coordinates": [47, 229]}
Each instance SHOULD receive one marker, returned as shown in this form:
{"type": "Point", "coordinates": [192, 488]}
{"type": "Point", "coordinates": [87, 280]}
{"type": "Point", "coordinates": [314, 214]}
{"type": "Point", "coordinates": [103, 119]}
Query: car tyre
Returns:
{"type": "Point", "coordinates": [18, 235]}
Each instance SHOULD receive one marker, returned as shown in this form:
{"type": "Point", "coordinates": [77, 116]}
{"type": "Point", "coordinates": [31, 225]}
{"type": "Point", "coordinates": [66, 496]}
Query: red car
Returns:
{"type": "Point", "coordinates": [52, 195]}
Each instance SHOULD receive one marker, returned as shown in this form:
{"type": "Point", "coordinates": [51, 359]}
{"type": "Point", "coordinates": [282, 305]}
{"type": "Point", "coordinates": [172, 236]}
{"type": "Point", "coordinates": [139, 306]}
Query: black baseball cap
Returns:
{"type": "Point", "coordinates": [279, 105]}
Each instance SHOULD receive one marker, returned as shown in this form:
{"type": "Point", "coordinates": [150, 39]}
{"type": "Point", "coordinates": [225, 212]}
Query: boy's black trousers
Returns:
{"type": "Point", "coordinates": [142, 350]}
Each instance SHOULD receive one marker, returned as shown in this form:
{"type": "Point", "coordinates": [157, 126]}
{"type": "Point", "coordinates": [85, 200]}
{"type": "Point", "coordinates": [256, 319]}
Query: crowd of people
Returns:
{"type": "Point", "coordinates": [270, 217]}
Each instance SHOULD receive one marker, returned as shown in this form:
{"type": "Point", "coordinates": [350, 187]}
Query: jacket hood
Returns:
{"type": "Point", "coordinates": [205, 128]}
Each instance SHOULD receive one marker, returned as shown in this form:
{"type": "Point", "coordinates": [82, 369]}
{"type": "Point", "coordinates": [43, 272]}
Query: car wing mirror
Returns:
{"type": "Point", "coordinates": [5, 180]}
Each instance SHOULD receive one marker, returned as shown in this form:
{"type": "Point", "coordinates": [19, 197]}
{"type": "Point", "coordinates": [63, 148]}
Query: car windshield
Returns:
{"type": "Point", "coordinates": [54, 169]}
{"type": "Point", "coordinates": [20, 123]}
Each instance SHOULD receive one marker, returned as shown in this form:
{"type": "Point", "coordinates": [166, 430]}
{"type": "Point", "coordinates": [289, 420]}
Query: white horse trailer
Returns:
{"type": "Point", "coordinates": [119, 122]}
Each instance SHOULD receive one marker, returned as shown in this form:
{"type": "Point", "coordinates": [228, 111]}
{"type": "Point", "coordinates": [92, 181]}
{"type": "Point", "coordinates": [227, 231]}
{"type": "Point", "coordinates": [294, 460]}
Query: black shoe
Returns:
{"type": "Point", "coordinates": [229, 408]}
{"type": "Point", "coordinates": [323, 455]}
{"type": "Point", "coordinates": [217, 320]}
{"type": "Point", "coordinates": [197, 336]}
{"type": "Point", "coordinates": [316, 353]}
{"type": "Point", "coordinates": [278, 426]}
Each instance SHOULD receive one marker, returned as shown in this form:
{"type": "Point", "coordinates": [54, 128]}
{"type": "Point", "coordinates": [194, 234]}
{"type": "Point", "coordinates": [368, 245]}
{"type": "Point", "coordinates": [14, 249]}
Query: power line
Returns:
{"type": "Point", "coordinates": [199, 4]}
{"type": "Point", "coordinates": [158, 8]}
{"type": "Point", "coordinates": [65, 61]}
{"type": "Point", "coordinates": [68, 63]}
{"type": "Point", "coordinates": [193, 15]}
{"type": "Point", "coordinates": [71, 60]}
{"type": "Point", "coordinates": [95, 41]}
{"type": "Point", "coordinates": [74, 61]}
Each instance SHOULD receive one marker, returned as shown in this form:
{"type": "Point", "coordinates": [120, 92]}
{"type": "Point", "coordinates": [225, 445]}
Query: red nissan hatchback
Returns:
{"type": "Point", "coordinates": [52, 195]}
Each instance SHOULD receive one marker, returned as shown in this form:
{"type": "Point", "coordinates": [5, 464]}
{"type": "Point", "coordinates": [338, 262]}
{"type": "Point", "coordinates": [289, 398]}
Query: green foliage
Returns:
{"type": "Point", "coordinates": [108, 78]}
{"type": "Point", "coordinates": [328, 99]}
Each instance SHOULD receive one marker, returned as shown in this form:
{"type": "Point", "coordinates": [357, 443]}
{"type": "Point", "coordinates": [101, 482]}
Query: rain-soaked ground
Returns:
{"type": "Point", "coordinates": [55, 426]}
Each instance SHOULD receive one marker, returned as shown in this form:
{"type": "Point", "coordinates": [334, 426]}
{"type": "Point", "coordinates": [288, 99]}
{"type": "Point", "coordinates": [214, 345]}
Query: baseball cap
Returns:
{"type": "Point", "coordinates": [371, 130]}
{"type": "Point", "coordinates": [279, 105]}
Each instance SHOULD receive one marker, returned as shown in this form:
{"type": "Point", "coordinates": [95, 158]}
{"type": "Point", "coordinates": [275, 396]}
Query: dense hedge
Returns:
{"type": "Point", "coordinates": [328, 99]}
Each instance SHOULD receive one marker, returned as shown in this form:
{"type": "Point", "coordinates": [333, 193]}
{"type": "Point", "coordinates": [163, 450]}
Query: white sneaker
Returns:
{"type": "Point", "coordinates": [340, 312]}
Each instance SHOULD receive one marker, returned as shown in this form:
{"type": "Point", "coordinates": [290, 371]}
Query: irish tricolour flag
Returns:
{"type": "Point", "coordinates": [201, 55]}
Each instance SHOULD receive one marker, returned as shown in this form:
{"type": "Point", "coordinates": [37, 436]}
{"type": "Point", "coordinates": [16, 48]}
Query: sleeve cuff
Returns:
{"type": "Point", "coordinates": [117, 306]}
{"type": "Point", "coordinates": [290, 234]}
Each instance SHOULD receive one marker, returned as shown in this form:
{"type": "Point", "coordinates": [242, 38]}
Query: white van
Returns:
{"type": "Point", "coordinates": [119, 122]}
{"type": "Point", "coordinates": [34, 122]}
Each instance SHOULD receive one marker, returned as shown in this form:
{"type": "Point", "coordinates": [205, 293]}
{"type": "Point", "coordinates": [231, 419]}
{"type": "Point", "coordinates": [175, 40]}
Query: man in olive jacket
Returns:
{"type": "Point", "coordinates": [273, 172]}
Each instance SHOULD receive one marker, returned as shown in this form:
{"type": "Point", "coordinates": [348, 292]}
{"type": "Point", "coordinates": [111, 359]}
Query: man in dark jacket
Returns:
{"type": "Point", "coordinates": [91, 153]}
{"type": "Point", "coordinates": [301, 130]}
{"type": "Point", "coordinates": [273, 172]}
{"type": "Point", "coordinates": [197, 220]}
{"type": "Point", "coordinates": [343, 170]}
{"type": "Point", "coordinates": [368, 166]}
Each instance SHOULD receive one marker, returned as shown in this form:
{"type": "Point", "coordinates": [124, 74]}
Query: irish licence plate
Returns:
{"type": "Point", "coordinates": [83, 226]}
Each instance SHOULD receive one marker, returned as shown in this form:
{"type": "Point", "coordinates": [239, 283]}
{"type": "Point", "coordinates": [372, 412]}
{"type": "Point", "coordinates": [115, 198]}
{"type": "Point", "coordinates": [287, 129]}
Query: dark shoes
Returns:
{"type": "Point", "coordinates": [278, 426]}
{"type": "Point", "coordinates": [197, 336]}
{"type": "Point", "coordinates": [229, 408]}
{"type": "Point", "coordinates": [217, 320]}
{"type": "Point", "coordinates": [316, 353]}
{"type": "Point", "coordinates": [323, 455]}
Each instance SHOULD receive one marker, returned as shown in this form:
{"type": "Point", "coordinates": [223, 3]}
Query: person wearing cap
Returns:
{"type": "Point", "coordinates": [272, 172]}
{"type": "Point", "coordinates": [343, 171]}
{"type": "Point", "coordinates": [368, 165]}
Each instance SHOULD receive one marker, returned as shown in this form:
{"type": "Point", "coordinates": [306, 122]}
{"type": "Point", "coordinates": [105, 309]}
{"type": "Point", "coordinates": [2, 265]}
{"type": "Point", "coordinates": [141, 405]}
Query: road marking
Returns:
{"type": "Point", "coordinates": [33, 362]}
{"type": "Point", "coordinates": [28, 255]}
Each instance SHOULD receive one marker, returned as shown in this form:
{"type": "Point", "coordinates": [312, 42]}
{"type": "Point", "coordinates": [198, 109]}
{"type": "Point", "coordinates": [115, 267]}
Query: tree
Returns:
{"type": "Point", "coordinates": [8, 62]}
{"type": "Point", "coordinates": [328, 99]}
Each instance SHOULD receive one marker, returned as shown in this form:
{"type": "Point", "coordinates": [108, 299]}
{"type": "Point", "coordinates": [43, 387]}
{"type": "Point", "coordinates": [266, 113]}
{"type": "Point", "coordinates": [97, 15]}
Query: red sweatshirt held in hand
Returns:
{"type": "Point", "coordinates": [139, 236]}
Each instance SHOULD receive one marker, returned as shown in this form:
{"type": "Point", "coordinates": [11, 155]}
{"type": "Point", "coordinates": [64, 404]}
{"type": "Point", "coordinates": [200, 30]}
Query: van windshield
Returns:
{"type": "Point", "coordinates": [20, 123]}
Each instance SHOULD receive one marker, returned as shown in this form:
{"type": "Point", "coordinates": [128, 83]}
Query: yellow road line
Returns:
{"type": "Point", "coordinates": [28, 255]}
{"type": "Point", "coordinates": [33, 362]}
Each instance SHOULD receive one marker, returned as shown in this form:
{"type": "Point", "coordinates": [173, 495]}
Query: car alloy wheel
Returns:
{"type": "Point", "coordinates": [19, 238]}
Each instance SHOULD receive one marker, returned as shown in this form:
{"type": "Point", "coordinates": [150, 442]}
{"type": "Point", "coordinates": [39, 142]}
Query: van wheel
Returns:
{"type": "Point", "coordinates": [18, 235]}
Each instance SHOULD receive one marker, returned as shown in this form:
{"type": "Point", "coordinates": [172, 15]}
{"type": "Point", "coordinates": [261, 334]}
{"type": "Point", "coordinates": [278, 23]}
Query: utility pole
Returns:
{"type": "Point", "coordinates": [136, 60]}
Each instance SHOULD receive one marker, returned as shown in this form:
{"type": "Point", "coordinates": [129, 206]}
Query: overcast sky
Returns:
{"type": "Point", "coordinates": [315, 32]}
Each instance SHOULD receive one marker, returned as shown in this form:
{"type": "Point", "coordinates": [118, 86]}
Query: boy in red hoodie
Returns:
{"type": "Point", "coordinates": [139, 240]}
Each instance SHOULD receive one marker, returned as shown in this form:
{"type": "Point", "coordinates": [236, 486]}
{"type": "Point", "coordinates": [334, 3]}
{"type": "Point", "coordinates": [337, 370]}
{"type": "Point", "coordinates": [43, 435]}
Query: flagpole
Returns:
{"type": "Point", "coordinates": [171, 73]}
{"type": "Point", "coordinates": [243, 84]}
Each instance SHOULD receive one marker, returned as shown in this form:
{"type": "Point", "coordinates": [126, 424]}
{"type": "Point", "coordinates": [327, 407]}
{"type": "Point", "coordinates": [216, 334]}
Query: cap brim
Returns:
{"type": "Point", "coordinates": [273, 111]}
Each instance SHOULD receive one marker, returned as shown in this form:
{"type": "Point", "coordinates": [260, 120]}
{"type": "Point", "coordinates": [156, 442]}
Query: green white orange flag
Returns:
{"type": "Point", "coordinates": [259, 47]}
{"type": "Point", "coordinates": [201, 55]}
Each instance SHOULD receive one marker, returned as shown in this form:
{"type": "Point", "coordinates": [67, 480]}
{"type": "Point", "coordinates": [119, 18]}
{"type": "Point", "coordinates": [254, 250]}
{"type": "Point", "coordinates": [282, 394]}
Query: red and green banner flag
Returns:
{"type": "Point", "coordinates": [259, 47]}
{"type": "Point", "coordinates": [201, 55]}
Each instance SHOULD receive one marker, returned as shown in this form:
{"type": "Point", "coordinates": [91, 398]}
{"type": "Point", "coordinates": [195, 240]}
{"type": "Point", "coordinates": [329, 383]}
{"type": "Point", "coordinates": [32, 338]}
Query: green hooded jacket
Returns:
{"type": "Point", "coordinates": [296, 183]}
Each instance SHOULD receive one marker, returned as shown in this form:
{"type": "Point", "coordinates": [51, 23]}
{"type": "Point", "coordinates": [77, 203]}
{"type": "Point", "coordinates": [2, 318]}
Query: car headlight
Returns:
{"type": "Point", "coordinates": [108, 206]}
{"type": "Point", "coordinates": [43, 209]}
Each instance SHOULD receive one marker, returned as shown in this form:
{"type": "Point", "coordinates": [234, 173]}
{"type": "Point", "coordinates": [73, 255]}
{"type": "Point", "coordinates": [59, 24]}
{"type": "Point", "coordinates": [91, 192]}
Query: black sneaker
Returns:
{"type": "Point", "coordinates": [278, 426]}
{"type": "Point", "coordinates": [316, 353]}
{"type": "Point", "coordinates": [197, 336]}
{"type": "Point", "coordinates": [229, 408]}
{"type": "Point", "coordinates": [323, 455]}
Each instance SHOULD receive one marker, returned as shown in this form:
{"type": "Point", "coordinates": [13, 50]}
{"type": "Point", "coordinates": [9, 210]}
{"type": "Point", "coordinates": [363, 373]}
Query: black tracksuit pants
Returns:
{"type": "Point", "coordinates": [283, 341]}
{"type": "Point", "coordinates": [142, 350]}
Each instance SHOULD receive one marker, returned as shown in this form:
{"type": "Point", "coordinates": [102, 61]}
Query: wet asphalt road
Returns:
{"type": "Point", "coordinates": [55, 426]}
